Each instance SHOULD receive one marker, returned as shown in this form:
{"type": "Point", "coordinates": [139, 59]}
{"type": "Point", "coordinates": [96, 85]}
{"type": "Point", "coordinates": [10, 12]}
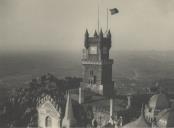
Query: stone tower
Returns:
{"type": "Point", "coordinates": [97, 66]}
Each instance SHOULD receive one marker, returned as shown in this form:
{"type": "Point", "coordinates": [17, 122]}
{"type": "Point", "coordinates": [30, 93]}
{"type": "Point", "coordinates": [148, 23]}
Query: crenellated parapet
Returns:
{"type": "Point", "coordinates": [102, 39]}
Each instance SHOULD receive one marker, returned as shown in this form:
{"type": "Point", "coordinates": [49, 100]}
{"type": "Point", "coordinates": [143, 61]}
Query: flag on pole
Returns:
{"type": "Point", "coordinates": [113, 11]}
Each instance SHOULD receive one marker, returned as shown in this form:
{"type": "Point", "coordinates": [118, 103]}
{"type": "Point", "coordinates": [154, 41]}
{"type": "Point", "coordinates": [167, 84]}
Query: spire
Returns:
{"type": "Point", "coordinates": [86, 33]}
{"type": "Point", "coordinates": [68, 119]}
{"type": "Point", "coordinates": [109, 38]}
{"type": "Point", "coordinates": [86, 38]}
{"type": "Point", "coordinates": [109, 34]}
{"type": "Point", "coordinates": [69, 110]}
{"type": "Point", "coordinates": [95, 34]}
{"type": "Point", "coordinates": [101, 33]}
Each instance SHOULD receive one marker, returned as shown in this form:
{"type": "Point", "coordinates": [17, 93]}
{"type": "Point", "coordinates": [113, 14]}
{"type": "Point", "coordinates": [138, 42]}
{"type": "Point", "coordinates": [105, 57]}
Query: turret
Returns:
{"type": "Point", "coordinates": [109, 34]}
{"type": "Point", "coordinates": [109, 38]}
{"type": "Point", "coordinates": [100, 38]}
{"type": "Point", "coordinates": [101, 34]}
{"type": "Point", "coordinates": [95, 34]}
{"type": "Point", "coordinates": [86, 38]}
{"type": "Point", "coordinates": [86, 33]}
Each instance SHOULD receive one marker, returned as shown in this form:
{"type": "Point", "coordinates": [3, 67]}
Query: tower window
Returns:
{"type": "Point", "coordinates": [48, 122]}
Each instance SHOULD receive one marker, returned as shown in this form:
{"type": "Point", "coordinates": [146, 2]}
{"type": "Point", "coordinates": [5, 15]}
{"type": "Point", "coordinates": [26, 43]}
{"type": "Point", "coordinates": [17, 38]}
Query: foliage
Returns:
{"type": "Point", "coordinates": [20, 108]}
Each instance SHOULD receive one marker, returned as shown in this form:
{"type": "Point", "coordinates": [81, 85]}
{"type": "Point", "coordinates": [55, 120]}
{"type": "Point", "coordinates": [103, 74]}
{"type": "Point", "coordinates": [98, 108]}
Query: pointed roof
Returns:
{"type": "Point", "coordinates": [69, 110]}
{"type": "Point", "coordinates": [109, 34]}
{"type": "Point", "coordinates": [139, 123]}
{"type": "Point", "coordinates": [69, 119]}
{"type": "Point", "coordinates": [95, 34]}
{"type": "Point", "coordinates": [101, 33]}
{"type": "Point", "coordinates": [86, 33]}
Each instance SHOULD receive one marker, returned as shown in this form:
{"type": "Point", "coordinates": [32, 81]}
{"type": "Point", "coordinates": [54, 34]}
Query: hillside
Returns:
{"type": "Point", "coordinates": [18, 69]}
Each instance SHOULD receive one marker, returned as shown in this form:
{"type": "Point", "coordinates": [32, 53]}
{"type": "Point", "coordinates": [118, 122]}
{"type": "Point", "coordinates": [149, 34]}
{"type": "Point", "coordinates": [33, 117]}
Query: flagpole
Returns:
{"type": "Point", "coordinates": [107, 20]}
{"type": "Point", "coordinates": [98, 19]}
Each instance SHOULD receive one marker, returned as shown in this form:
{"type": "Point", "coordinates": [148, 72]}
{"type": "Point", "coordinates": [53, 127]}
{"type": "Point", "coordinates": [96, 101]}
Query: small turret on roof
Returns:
{"type": "Point", "coordinates": [101, 33]}
{"type": "Point", "coordinates": [86, 38]}
{"type": "Point", "coordinates": [86, 33]}
{"type": "Point", "coordinates": [109, 34]}
{"type": "Point", "coordinates": [95, 34]}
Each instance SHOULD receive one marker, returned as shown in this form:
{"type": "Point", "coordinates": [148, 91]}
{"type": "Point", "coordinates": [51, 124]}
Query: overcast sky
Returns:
{"type": "Point", "coordinates": [33, 25]}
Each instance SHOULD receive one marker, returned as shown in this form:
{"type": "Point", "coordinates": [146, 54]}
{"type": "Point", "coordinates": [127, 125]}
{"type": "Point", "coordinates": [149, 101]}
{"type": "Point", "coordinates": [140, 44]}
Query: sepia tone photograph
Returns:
{"type": "Point", "coordinates": [86, 63]}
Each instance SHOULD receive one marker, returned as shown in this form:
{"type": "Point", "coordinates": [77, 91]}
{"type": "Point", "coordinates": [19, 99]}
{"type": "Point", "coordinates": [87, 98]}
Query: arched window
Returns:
{"type": "Point", "coordinates": [48, 122]}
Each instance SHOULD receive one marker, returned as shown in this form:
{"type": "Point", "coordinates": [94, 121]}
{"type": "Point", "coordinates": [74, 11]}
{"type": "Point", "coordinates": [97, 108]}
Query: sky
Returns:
{"type": "Point", "coordinates": [59, 25]}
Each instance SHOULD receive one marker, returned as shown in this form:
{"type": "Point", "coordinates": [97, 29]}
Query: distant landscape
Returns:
{"type": "Point", "coordinates": [18, 69]}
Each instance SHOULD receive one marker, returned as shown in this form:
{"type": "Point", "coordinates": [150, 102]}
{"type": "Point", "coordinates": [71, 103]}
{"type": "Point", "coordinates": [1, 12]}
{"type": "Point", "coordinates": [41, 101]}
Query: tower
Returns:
{"type": "Point", "coordinates": [97, 66]}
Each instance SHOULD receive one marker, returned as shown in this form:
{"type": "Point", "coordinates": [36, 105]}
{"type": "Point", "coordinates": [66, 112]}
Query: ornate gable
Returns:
{"type": "Point", "coordinates": [49, 112]}
{"type": "Point", "coordinates": [49, 109]}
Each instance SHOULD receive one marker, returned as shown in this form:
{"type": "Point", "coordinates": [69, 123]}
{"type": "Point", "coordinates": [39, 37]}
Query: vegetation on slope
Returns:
{"type": "Point", "coordinates": [20, 107]}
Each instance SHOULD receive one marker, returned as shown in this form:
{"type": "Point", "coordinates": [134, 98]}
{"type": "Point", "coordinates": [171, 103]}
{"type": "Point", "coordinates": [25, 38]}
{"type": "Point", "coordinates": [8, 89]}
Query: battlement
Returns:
{"type": "Point", "coordinates": [98, 38]}
{"type": "Point", "coordinates": [96, 35]}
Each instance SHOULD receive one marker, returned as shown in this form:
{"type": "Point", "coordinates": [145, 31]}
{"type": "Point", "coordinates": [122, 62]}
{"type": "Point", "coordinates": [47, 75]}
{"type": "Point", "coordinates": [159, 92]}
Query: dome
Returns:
{"type": "Point", "coordinates": [166, 118]}
{"type": "Point", "coordinates": [159, 102]}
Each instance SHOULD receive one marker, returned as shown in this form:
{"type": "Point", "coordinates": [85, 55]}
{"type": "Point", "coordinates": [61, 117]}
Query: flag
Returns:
{"type": "Point", "coordinates": [113, 11]}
